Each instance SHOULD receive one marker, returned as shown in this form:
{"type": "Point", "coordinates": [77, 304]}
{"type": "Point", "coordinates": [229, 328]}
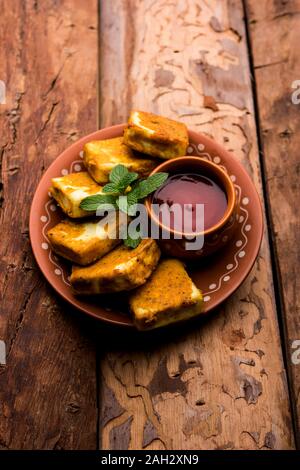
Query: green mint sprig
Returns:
{"type": "Point", "coordinates": [123, 192]}
{"type": "Point", "coordinates": [91, 203]}
{"type": "Point", "coordinates": [133, 242]}
{"type": "Point", "coordinates": [120, 178]}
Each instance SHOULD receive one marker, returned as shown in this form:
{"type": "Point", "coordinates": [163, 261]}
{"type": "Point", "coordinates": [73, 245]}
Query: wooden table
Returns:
{"type": "Point", "coordinates": [225, 67]}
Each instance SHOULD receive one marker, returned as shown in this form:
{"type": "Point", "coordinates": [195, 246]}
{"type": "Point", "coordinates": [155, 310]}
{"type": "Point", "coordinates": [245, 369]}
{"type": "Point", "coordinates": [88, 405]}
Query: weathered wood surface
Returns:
{"type": "Point", "coordinates": [275, 27]}
{"type": "Point", "coordinates": [48, 59]}
{"type": "Point", "coordinates": [219, 383]}
{"type": "Point", "coordinates": [216, 383]}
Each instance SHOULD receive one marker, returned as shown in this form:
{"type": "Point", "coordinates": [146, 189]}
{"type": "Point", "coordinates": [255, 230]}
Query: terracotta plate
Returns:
{"type": "Point", "coordinates": [218, 277]}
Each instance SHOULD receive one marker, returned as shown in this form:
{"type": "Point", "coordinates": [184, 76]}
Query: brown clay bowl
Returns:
{"type": "Point", "coordinates": [209, 241]}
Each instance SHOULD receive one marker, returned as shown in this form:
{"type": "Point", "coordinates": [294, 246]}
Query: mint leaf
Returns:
{"type": "Point", "coordinates": [133, 238]}
{"type": "Point", "coordinates": [105, 207]}
{"type": "Point", "coordinates": [121, 178]}
{"type": "Point", "coordinates": [127, 180]}
{"type": "Point", "coordinates": [131, 210]}
{"type": "Point", "coordinates": [122, 185]}
{"type": "Point", "coordinates": [146, 187]}
{"type": "Point", "coordinates": [131, 243]}
{"type": "Point", "coordinates": [127, 204]}
{"type": "Point", "coordinates": [91, 203]}
{"type": "Point", "coordinates": [134, 184]}
{"type": "Point", "coordinates": [110, 188]}
{"type": "Point", "coordinates": [132, 197]}
{"type": "Point", "coordinates": [122, 203]}
{"type": "Point", "coordinates": [117, 174]}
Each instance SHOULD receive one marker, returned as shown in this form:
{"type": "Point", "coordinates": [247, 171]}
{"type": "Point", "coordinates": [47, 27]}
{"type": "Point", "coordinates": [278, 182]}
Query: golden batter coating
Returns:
{"type": "Point", "coordinates": [156, 135]}
{"type": "Point", "coordinates": [71, 189]}
{"type": "Point", "coordinates": [101, 156]}
{"type": "Point", "coordinates": [84, 242]}
{"type": "Point", "coordinates": [120, 270]}
{"type": "Point", "coordinates": [168, 296]}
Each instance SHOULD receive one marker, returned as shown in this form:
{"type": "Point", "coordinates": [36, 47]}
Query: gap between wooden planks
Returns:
{"type": "Point", "coordinates": [48, 60]}
{"type": "Point", "coordinates": [219, 383]}
{"type": "Point", "coordinates": [275, 27]}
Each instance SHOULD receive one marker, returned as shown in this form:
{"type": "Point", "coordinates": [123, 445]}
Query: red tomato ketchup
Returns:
{"type": "Point", "coordinates": [188, 190]}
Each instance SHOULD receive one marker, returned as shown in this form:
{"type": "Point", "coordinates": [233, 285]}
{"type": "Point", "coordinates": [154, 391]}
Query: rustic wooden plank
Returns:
{"type": "Point", "coordinates": [275, 27]}
{"type": "Point", "coordinates": [48, 60]}
{"type": "Point", "coordinates": [219, 383]}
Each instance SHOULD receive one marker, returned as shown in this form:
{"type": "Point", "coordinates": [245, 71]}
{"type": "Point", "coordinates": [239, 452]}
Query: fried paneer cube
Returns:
{"type": "Point", "coordinates": [120, 270]}
{"type": "Point", "coordinates": [156, 135]}
{"type": "Point", "coordinates": [84, 242]}
{"type": "Point", "coordinates": [101, 156]}
{"type": "Point", "coordinates": [71, 189]}
{"type": "Point", "coordinates": [168, 296]}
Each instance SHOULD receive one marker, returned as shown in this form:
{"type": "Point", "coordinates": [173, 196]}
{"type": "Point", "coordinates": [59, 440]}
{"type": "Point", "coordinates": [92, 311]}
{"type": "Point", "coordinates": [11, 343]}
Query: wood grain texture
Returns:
{"type": "Point", "coordinates": [280, 135]}
{"type": "Point", "coordinates": [218, 383]}
{"type": "Point", "coordinates": [48, 60]}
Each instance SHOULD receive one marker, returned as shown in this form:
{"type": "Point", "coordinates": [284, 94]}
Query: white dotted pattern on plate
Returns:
{"type": "Point", "coordinates": [242, 242]}
{"type": "Point", "coordinates": [46, 219]}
